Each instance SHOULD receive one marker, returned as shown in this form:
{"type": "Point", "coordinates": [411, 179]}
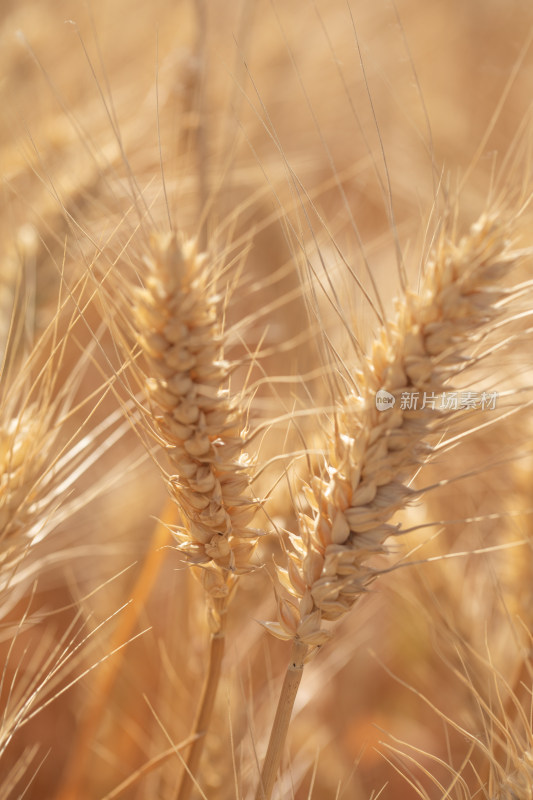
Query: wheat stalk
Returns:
{"type": "Point", "coordinates": [374, 454]}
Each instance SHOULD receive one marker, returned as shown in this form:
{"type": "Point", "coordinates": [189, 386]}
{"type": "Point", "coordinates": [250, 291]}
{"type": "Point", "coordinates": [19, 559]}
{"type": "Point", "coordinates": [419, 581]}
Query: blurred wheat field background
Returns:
{"type": "Point", "coordinates": [326, 155]}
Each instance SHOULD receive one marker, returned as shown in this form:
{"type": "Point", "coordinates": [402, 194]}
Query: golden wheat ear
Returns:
{"type": "Point", "coordinates": [382, 433]}
{"type": "Point", "coordinates": [51, 434]}
{"type": "Point", "coordinates": [200, 425]}
{"type": "Point", "coordinates": [379, 438]}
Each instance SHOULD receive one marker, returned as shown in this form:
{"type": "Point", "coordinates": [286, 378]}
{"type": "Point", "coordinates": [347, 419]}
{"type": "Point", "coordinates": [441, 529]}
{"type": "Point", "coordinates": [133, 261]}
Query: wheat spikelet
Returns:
{"type": "Point", "coordinates": [375, 453]}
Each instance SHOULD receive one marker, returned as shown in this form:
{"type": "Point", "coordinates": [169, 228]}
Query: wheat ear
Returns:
{"type": "Point", "coordinates": [49, 438]}
{"type": "Point", "coordinates": [373, 454]}
{"type": "Point", "coordinates": [202, 429]}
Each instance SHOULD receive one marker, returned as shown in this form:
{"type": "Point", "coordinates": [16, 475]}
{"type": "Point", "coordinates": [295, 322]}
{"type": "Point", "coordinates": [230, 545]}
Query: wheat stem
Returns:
{"type": "Point", "coordinates": [205, 709]}
{"type": "Point", "coordinates": [280, 727]}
